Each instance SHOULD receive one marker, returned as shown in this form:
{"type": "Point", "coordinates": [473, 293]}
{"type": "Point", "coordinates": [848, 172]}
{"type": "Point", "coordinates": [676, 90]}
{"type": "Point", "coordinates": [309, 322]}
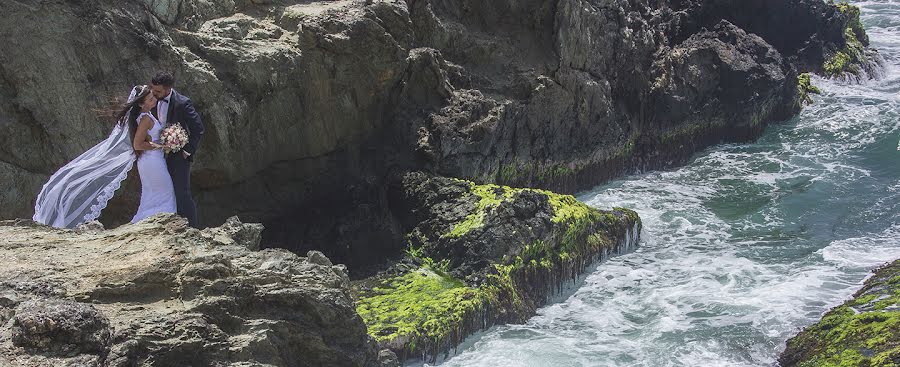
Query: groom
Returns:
{"type": "Point", "coordinates": [174, 108]}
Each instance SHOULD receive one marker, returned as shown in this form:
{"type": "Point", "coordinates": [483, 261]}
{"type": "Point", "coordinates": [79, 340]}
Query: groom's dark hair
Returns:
{"type": "Point", "coordinates": [163, 78]}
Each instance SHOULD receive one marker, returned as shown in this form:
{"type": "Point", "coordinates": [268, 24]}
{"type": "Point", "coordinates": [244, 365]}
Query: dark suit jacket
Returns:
{"type": "Point", "coordinates": [182, 111]}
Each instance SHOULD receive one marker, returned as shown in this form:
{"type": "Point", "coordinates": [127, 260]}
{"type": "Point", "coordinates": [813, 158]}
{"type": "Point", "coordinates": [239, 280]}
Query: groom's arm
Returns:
{"type": "Point", "coordinates": [194, 125]}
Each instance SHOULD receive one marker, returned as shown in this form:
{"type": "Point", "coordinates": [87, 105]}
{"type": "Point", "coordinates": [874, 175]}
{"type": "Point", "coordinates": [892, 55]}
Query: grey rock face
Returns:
{"type": "Point", "coordinates": [234, 232]}
{"type": "Point", "coordinates": [199, 343]}
{"type": "Point", "coordinates": [60, 328]}
{"type": "Point", "coordinates": [90, 226]}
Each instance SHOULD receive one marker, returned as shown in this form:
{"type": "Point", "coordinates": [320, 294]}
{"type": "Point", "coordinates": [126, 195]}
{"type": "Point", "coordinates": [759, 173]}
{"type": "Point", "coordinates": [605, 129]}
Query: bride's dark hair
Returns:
{"type": "Point", "coordinates": [131, 109]}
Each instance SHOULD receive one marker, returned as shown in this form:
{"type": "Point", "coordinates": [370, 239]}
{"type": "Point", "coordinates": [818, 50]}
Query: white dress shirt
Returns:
{"type": "Point", "coordinates": [162, 109]}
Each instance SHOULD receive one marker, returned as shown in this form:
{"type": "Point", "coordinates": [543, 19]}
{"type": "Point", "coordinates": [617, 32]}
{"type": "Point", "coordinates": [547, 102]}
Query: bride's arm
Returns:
{"type": "Point", "coordinates": [140, 136]}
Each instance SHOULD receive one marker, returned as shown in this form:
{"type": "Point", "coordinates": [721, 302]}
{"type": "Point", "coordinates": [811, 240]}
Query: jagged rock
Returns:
{"type": "Point", "coordinates": [806, 32]}
{"type": "Point", "coordinates": [158, 293]}
{"type": "Point", "coordinates": [90, 226]}
{"type": "Point", "coordinates": [233, 232]}
{"type": "Point", "coordinates": [8, 302]}
{"type": "Point", "coordinates": [387, 358]}
{"type": "Point", "coordinates": [693, 73]}
{"type": "Point", "coordinates": [317, 257]}
{"type": "Point", "coordinates": [522, 218]}
{"type": "Point", "coordinates": [60, 328]}
{"type": "Point", "coordinates": [180, 339]}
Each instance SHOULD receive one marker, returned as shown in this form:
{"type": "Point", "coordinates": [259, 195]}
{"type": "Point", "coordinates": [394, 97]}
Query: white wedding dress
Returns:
{"type": "Point", "coordinates": [157, 191]}
{"type": "Point", "coordinates": [80, 190]}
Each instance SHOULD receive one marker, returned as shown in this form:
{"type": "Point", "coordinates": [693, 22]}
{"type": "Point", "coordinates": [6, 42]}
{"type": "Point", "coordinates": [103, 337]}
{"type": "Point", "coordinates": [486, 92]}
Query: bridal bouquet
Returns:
{"type": "Point", "coordinates": [173, 138]}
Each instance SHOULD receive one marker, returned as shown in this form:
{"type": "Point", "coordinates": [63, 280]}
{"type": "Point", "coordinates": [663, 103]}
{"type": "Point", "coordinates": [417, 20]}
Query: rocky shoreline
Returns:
{"type": "Point", "coordinates": [387, 134]}
{"type": "Point", "coordinates": [160, 293]}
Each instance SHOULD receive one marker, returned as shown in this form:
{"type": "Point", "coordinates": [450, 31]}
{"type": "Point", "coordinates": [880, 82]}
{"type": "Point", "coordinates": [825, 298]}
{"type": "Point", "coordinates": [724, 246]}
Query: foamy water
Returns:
{"type": "Point", "coordinates": [742, 247]}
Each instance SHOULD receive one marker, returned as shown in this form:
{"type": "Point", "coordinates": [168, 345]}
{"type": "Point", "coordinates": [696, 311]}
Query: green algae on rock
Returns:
{"type": "Point", "coordinates": [420, 305]}
{"type": "Point", "coordinates": [855, 38]}
{"type": "Point", "coordinates": [495, 261]}
{"type": "Point", "coordinates": [488, 199]}
{"type": "Point", "coordinates": [805, 88]}
{"type": "Point", "coordinates": [864, 331]}
{"type": "Point", "coordinates": [854, 25]}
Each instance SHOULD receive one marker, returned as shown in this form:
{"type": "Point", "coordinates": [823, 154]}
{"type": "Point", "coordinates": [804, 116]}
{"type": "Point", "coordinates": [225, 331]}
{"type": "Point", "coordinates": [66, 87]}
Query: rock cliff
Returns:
{"type": "Point", "coordinates": [313, 107]}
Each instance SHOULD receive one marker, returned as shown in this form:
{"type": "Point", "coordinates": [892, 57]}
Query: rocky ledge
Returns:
{"type": "Point", "coordinates": [479, 255]}
{"type": "Point", "coordinates": [160, 294]}
{"type": "Point", "coordinates": [864, 331]}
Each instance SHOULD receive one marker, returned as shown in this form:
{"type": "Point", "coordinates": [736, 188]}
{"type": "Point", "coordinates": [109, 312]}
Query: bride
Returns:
{"type": "Point", "coordinates": [79, 191]}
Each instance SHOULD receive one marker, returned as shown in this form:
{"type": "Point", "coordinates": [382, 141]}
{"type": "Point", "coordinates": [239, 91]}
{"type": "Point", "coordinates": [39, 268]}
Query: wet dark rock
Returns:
{"type": "Point", "coordinates": [387, 358]}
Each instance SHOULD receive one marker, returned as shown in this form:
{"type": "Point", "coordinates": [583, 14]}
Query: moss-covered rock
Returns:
{"type": "Point", "coordinates": [854, 24]}
{"type": "Point", "coordinates": [494, 261]}
{"type": "Point", "coordinates": [849, 58]}
{"type": "Point", "coordinates": [805, 88]}
{"type": "Point", "coordinates": [864, 331]}
{"type": "Point", "coordinates": [420, 307]}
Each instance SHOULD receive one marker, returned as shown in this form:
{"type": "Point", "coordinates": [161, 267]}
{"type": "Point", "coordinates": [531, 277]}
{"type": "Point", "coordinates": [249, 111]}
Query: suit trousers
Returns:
{"type": "Point", "coordinates": [180, 170]}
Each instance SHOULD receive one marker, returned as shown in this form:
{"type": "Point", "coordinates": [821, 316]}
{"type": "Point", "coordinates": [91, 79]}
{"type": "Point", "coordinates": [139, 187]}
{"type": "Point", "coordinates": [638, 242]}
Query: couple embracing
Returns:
{"type": "Point", "coordinates": [80, 190]}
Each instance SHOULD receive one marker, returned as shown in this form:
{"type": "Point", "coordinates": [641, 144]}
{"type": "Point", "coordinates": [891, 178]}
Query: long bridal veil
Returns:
{"type": "Point", "coordinates": [80, 190]}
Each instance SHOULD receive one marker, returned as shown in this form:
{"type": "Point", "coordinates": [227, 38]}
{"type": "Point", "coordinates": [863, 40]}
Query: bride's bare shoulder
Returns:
{"type": "Point", "coordinates": [145, 121]}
